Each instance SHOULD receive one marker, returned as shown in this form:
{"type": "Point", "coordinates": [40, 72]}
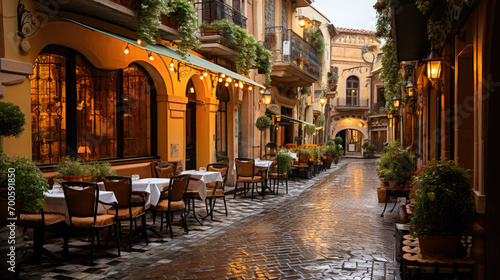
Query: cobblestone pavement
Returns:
{"type": "Point", "coordinates": [328, 227]}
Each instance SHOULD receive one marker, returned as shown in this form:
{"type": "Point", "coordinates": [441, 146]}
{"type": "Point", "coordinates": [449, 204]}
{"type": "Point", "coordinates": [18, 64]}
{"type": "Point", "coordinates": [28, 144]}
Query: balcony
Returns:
{"type": "Point", "coordinates": [119, 12]}
{"type": "Point", "coordinates": [350, 104]}
{"type": "Point", "coordinates": [295, 62]}
{"type": "Point", "coordinates": [212, 10]}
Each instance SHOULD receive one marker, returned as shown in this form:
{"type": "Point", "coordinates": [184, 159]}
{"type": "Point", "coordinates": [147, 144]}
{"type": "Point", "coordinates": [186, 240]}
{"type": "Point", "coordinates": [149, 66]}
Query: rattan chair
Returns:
{"type": "Point", "coordinates": [127, 208]}
{"type": "Point", "coordinates": [82, 200]}
{"type": "Point", "coordinates": [245, 173]}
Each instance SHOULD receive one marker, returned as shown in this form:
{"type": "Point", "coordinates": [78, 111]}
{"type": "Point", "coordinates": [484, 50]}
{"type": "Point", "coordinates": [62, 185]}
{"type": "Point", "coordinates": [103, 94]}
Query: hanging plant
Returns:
{"type": "Point", "coordinates": [315, 38]}
{"type": "Point", "coordinates": [249, 53]}
{"type": "Point", "coordinates": [390, 73]}
{"type": "Point", "coordinates": [148, 20]}
{"type": "Point", "coordinates": [440, 19]}
{"type": "Point", "coordinates": [320, 120]}
{"type": "Point", "coordinates": [12, 121]}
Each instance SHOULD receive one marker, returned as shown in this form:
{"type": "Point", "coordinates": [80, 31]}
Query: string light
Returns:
{"type": "Point", "coordinates": [229, 79]}
{"type": "Point", "coordinates": [250, 88]}
{"type": "Point", "coordinates": [126, 51]}
{"type": "Point", "coordinates": [223, 75]}
{"type": "Point", "coordinates": [220, 80]}
{"type": "Point", "coordinates": [205, 73]}
{"type": "Point", "coordinates": [150, 56]}
{"type": "Point", "coordinates": [241, 85]}
{"type": "Point", "coordinates": [192, 89]}
{"type": "Point", "coordinates": [139, 42]}
{"type": "Point", "coordinates": [261, 91]}
{"type": "Point", "coordinates": [201, 77]}
{"type": "Point", "coordinates": [236, 83]}
{"type": "Point", "coordinates": [171, 65]}
{"type": "Point", "coordinates": [227, 84]}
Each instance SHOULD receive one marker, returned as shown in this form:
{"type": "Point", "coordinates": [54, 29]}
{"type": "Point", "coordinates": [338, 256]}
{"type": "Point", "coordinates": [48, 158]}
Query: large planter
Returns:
{"type": "Point", "coordinates": [439, 246]}
{"type": "Point", "coordinates": [11, 255]}
{"type": "Point", "coordinates": [72, 178]}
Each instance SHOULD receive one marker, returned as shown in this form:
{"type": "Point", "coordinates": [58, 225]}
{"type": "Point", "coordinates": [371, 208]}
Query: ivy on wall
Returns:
{"type": "Point", "coordinates": [390, 73]}
{"type": "Point", "coordinates": [315, 38]}
{"type": "Point", "coordinates": [148, 20]}
{"type": "Point", "coordinates": [440, 14]}
{"type": "Point", "coordinates": [249, 53]}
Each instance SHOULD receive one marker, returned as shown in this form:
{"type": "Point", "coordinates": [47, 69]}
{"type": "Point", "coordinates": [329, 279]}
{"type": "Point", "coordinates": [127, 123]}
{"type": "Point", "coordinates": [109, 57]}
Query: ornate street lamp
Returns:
{"type": "Point", "coordinates": [266, 98]}
{"type": "Point", "coordinates": [396, 101]}
{"type": "Point", "coordinates": [434, 65]}
{"type": "Point", "coordinates": [322, 101]}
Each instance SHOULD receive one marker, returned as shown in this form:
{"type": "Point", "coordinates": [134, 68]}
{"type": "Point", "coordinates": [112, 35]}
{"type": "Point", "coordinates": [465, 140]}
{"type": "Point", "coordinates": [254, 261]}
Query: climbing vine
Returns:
{"type": "Point", "coordinates": [148, 19]}
{"type": "Point", "coordinates": [390, 73]}
{"type": "Point", "coordinates": [440, 19]}
{"type": "Point", "coordinates": [249, 53]}
{"type": "Point", "coordinates": [315, 38]}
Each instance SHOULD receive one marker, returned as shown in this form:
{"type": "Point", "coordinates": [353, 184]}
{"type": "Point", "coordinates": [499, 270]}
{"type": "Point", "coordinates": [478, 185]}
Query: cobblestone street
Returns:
{"type": "Point", "coordinates": [332, 231]}
{"type": "Point", "coordinates": [327, 227]}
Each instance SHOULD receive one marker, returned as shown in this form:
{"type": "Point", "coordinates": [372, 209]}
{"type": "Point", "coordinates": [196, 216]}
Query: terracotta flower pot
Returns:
{"type": "Point", "coordinates": [434, 245]}
{"type": "Point", "coordinates": [394, 184]}
{"type": "Point", "coordinates": [72, 178]}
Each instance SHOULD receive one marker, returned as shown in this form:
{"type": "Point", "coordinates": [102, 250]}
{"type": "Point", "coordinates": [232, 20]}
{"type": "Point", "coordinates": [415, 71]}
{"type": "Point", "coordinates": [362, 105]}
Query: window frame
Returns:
{"type": "Point", "coordinates": [71, 108]}
{"type": "Point", "coordinates": [354, 100]}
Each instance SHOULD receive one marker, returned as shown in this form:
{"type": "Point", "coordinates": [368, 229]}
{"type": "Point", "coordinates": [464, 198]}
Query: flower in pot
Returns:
{"type": "Point", "coordinates": [444, 208]}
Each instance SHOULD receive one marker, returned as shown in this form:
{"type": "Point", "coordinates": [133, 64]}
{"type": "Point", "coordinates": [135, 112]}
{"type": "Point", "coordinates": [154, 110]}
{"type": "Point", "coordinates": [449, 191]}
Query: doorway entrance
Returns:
{"type": "Point", "coordinates": [191, 127]}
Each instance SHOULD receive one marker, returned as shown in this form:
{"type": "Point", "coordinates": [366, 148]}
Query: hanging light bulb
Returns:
{"type": "Point", "coordinates": [201, 77]}
{"type": "Point", "coordinates": [229, 79]}
{"type": "Point", "coordinates": [227, 84]}
{"type": "Point", "coordinates": [171, 65]}
{"type": "Point", "coordinates": [262, 91]}
{"type": "Point", "coordinates": [126, 51]}
{"type": "Point", "coordinates": [139, 42]}
{"type": "Point", "coordinates": [241, 85]}
{"type": "Point", "coordinates": [220, 80]}
{"type": "Point", "coordinates": [205, 73]}
{"type": "Point", "coordinates": [250, 88]}
{"type": "Point", "coordinates": [236, 83]}
{"type": "Point", "coordinates": [223, 75]}
{"type": "Point", "coordinates": [150, 56]}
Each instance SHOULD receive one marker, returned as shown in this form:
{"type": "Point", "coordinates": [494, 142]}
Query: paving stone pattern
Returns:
{"type": "Point", "coordinates": [327, 227]}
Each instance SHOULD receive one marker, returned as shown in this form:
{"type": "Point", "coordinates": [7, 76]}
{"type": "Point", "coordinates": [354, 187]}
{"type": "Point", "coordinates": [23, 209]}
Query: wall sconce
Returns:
{"type": "Point", "coordinates": [434, 65]}
{"type": "Point", "coordinates": [150, 55]}
{"type": "Point", "coordinates": [266, 98]}
{"type": "Point", "coordinates": [171, 66]}
{"type": "Point", "coordinates": [410, 89]}
{"type": "Point", "coordinates": [322, 101]}
{"type": "Point", "coordinates": [302, 22]}
{"type": "Point", "coordinates": [349, 121]}
{"type": "Point", "coordinates": [396, 102]}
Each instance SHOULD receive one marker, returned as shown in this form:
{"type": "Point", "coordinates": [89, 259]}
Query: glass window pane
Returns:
{"type": "Point", "coordinates": [136, 112]}
{"type": "Point", "coordinates": [95, 111]}
{"type": "Point", "coordinates": [48, 108]}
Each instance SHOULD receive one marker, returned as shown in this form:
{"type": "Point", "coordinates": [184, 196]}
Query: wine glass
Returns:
{"type": "Point", "coordinates": [135, 177]}
{"type": "Point", "coordinates": [203, 169]}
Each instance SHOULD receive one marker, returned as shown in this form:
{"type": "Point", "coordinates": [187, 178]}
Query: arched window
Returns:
{"type": "Point", "coordinates": [352, 91]}
{"type": "Point", "coordinates": [89, 113]}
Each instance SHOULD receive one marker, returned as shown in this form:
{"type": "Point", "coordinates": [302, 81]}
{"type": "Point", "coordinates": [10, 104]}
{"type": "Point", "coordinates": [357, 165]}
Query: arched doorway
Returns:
{"type": "Point", "coordinates": [353, 132]}
{"type": "Point", "coordinates": [191, 126]}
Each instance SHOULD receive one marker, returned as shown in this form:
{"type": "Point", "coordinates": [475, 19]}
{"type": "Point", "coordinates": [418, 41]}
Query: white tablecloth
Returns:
{"type": "Point", "coordinates": [152, 186]}
{"type": "Point", "coordinates": [56, 203]}
{"type": "Point", "coordinates": [200, 179]}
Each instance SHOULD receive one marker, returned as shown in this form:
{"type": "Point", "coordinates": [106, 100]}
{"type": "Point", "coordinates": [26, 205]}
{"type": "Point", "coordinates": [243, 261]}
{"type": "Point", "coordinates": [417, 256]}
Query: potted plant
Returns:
{"type": "Point", "coordinates": [99, 170]}
{"type": "Point", "coordinates": [369, 149]}
{"type": "Point", "coordinates": [262, 123]}
{"type": "Point", "coordinates": [332, 81]}
{"type": "Point", "coordinates": [21, 186]}
{"type": "Point", "coordinates": [339, 150]}
{"type": "Point", "coordinates": [285, 161]}
{"type": "Point", "coordinates": [73, 169]}
{"type": "Point", "coordinates": [12, 121]}
{"type": "Point", "coordinates": [443, 210]}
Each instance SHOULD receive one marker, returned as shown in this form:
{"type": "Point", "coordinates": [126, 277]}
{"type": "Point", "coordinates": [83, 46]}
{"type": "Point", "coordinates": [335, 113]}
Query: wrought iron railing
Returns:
{"type": "Point", "coordinates": [351, 102]}
{"type": "Point", "coordinates": [212, 10]}
{"type": "Point", "coordinates": [132, 4]}
{"type": "Point", "coordinates": [288, 47]}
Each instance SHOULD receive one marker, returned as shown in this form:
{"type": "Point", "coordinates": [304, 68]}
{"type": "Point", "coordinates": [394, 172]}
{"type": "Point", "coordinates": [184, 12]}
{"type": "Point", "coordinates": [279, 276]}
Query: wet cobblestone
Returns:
{"type": "Point", "coordinates": [328, 227]}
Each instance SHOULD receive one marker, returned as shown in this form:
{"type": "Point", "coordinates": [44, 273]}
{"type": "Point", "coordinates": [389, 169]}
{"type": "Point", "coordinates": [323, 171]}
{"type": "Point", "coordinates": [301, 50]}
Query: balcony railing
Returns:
{"type": "Point", "coordinates": [287, 46]}
{"type": "Point", "coordinates": [346, 102]}
{"type": "Point", "coordinates": [132, 4]}
{"type": "Point", "coordinates": [217, 10]}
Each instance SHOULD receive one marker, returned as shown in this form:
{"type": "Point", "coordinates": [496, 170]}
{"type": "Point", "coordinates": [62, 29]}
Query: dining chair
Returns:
{"type": "Point", "coordinates": [216, 189]}
{"type": "Point", "coordinates": [165, 170]}
{"type": "Point", "coordinates": [127, 208]}
{"type": "Point", "coordinates": [303, 165]}
{"type": "Point", "coordinates": [39, 222]}
{"type": "Point", "coordinates": [173, 200]}
{"type": "Point", "coordinates": [276, 175]}
{"type": "Point", "coordinates": [82, 199]}
{"type": "Point", "coordinates": [245, 173]}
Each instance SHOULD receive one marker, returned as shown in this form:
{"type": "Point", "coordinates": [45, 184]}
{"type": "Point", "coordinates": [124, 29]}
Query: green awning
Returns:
{"type": "Point", "coordinates": [172, 53]}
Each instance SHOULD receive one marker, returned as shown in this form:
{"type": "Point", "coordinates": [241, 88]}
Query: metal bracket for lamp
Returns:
{"type": "Point", "coordinates": [27, 23]}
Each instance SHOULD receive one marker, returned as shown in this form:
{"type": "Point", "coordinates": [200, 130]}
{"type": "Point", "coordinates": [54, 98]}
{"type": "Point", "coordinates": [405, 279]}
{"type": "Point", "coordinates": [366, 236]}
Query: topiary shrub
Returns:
{"type": "Point", "coordinates": [12, 121]}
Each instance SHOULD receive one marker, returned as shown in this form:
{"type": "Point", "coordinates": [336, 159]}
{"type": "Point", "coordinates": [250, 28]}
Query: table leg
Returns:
{"type": "Point", "coordinates": [385, 206]}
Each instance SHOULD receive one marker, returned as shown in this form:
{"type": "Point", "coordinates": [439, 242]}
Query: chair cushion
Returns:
{"type": "Point", "coordinates": [174, 205]}
{"type": "Point", "coordinates": [218, 192]}
{"type": "Point", "coordinates": [87, 222]}
{"type": "Point", "coordinates": [35, 220]}
{"type": "Point", "coordinates": [249, 179]}
{"type": "Point", "coordinates": [124, 213]}
{"type": "Point", "coordinates": [211, 185]}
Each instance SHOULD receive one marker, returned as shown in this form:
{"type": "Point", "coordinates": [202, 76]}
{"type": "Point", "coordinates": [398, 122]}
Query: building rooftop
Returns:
{"type": "Point", "coordinates": [355, 31]}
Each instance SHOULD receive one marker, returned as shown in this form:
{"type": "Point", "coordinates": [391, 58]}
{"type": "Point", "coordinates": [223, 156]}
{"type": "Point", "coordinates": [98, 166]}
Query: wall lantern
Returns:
{"type": "Point", "coordinates": [266, 98]}
{"type": "Point", "coordinates": [302, 22]}
{"type": "Point", "coordinates": [322, 101]}
{"type": "Point", "coordinates": [434, 65]}
{"type": "Point", "coordinates": [410, 89]}
{"type": "Point", "coordinates": [396, 101]}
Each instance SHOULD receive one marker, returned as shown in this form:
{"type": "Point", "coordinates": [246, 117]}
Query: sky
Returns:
{"type": "Point", "coordinates": [357, 14]}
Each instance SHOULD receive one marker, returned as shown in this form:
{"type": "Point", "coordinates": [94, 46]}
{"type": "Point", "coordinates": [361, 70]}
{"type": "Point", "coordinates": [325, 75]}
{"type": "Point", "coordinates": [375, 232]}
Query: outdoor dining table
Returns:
{"type": "Point", "coordinates": [55, 202]}
{"type": "Point", "coordinates": [151, 186]}
{"type": "Point", "coordinates": [199, 181]}
{"type": "Point", "coordinates": [260, 165]}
